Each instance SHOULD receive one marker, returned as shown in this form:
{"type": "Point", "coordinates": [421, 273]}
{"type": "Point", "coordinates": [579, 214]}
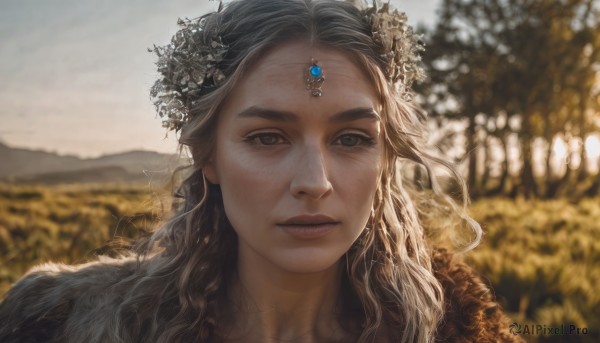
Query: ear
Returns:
{"type": "Point", "coordinates": [210, 172]}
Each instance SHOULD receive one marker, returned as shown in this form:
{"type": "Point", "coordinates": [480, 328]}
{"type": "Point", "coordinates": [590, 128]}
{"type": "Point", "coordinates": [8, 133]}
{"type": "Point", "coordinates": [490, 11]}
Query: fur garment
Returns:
{"type": "Point", "coordinates": [53, 299]}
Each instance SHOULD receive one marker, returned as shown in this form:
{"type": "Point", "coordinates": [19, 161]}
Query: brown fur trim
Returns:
{"type": "Point", "coordinates": [58, 303]}
{"type": "Point", "coordinates": [471, 312]}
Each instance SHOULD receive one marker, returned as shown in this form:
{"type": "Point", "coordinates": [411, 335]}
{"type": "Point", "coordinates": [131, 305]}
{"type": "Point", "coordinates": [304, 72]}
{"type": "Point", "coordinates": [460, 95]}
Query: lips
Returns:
{"type": "Point", "coordinates": [309, 226]}
{"type": "Point", "coordinates": [307, 219]}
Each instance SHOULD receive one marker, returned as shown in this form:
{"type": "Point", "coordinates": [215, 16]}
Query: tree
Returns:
{"type": "Point", "coordinates": [535, 61]}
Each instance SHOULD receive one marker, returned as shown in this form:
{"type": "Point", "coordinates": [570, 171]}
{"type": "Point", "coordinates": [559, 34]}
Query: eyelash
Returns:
{"type": "Point", "coordinates": [255, 139]}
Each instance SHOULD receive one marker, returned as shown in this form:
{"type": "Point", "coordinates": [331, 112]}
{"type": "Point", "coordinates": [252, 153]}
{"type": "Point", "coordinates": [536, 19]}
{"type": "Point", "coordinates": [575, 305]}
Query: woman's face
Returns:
{"type": "Point", "coordinates": [298, 173]}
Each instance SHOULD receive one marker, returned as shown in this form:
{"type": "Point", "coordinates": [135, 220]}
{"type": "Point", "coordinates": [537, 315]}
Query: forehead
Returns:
{"type": "Point", "coordinates": [277, 80]}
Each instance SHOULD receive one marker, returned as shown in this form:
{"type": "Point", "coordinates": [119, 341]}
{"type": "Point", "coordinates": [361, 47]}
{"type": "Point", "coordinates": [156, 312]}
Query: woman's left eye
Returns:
{"type": "Point", "coordinates": [352, 140]}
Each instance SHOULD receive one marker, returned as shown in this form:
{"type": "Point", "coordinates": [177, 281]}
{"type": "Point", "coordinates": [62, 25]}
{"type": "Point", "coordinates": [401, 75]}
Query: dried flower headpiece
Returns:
{"type": "Point", "coordinates": [400, 46]}
{"type": "Point", "coordinates": [189, 65]}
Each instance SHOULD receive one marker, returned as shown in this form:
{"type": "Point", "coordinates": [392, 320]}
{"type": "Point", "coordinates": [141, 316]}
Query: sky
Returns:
{"type": "Point", "coordinates": [75, 74]}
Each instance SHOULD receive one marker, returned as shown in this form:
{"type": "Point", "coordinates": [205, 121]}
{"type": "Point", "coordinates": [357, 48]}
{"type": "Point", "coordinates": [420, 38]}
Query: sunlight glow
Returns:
{"type": "Point", "coordinates": [592, 147]}
{"type": "Point", "coordinates": [559, 149]}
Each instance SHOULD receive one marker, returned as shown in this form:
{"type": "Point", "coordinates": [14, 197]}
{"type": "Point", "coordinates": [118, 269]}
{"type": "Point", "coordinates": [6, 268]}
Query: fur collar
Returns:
{"type": "Point", "coordinates": [54, 298]}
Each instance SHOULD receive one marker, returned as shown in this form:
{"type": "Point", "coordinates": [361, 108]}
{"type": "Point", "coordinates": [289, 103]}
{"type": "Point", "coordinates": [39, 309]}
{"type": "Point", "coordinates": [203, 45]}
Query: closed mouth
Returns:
{"type": "Point", "coordinates": [309, 230]}
{"type": "Point", "coordinates": [308, 221]}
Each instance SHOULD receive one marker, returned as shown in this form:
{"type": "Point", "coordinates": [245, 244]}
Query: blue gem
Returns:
{"type": "Point", "coordinates": [315, 71]}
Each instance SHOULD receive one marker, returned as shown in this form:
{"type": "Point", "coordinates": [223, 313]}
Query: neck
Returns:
{"type": "Point", "coordinates": [273, 305]}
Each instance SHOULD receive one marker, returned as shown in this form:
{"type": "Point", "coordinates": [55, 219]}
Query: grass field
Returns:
{"type": "Point", "coordinates": [542, 258]}
{"type": "Point", "coordinates": [69, 223]}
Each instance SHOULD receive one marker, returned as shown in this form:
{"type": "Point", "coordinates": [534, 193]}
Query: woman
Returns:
{"type": "Point", "coordinates": [297, 223]}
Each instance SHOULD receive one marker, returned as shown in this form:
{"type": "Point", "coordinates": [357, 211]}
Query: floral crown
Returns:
{"type": "Point", "coordinates": [189, 65]}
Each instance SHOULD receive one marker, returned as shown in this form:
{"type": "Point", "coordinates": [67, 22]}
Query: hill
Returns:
{"type": "Point", "coordinates": [24, 165]}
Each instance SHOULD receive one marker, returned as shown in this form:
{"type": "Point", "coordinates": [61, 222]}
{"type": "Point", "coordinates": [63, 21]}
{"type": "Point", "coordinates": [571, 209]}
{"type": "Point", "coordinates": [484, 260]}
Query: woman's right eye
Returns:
{"type": "Point", "coordinates": [266, 138]}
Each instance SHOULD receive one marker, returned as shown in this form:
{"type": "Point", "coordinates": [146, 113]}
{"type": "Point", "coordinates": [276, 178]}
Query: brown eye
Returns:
{"type": "Point", "coordinates": [268, 139]}
{"type": "Point", "coordinates": [349, 140]}
{"type": "Point", "coordinates": [265, 139]}
{"type": "Point", "coordinates": [352, 140]}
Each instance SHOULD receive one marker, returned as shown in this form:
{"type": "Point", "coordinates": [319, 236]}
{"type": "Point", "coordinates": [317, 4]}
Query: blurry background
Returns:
{"type": "Point", "coordinates": [76, 74]}
{"type": "Point", "coordinates": [513, 94]}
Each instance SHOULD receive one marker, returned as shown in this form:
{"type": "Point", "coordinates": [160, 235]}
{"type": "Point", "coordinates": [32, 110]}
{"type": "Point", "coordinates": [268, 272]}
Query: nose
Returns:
{"type": "Point", "coordinates": [311, 179]}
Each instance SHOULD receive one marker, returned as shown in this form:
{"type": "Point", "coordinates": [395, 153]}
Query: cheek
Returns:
{"type": "Point", "coordinates": [237, 167]}
{"type": "Point", "coordinates": [357, 180]}
{"type": "Point", "coordinates": [249, 186]}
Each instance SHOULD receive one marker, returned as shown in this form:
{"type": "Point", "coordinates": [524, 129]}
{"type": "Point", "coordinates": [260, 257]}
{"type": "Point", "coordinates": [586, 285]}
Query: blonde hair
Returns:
{"type": "Point", "coordinates": [187, 265]}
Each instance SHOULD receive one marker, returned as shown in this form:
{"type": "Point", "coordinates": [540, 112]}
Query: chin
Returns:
{"type": "Point", "coordinates": [308, 260]}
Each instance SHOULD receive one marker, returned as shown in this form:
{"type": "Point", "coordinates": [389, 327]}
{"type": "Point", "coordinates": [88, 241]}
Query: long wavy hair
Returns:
{"type": "Point", "coordinates": [187, 265]}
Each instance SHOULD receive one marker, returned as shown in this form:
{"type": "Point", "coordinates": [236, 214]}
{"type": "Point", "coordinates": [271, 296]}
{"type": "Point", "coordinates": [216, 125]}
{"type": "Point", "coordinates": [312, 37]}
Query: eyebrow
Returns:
{"type": "Point", "coordinates": [291, 117]}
